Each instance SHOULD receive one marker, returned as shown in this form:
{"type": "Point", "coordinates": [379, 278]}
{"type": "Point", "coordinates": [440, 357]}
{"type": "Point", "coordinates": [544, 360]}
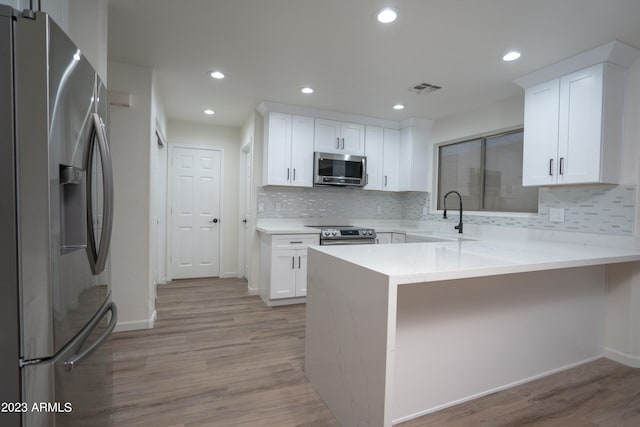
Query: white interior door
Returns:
{"type": "Point", "coordinates": [195, 208]}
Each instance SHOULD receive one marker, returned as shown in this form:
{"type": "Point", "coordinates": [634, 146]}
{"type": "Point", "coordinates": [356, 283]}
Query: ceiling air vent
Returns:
{"type": "Point", "coordinates": [424, 88]}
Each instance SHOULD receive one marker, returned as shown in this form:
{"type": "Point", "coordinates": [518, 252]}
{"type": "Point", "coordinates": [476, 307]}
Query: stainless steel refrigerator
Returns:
{"type": "Point", "coordinates": [56, 205]}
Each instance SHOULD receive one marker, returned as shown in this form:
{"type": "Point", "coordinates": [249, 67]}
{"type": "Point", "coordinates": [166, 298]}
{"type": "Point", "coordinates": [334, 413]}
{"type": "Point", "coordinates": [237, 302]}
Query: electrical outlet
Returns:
{"type": "Point", "coordinates": [424, 211]}
{"type": "Point", "coordinates": [260, 207]}
{"type": "Point", "coordinates": [278, 206]}
{"type": "Point", "coordinates": [556, 214]}
{"type": "Point", "coordinates": [379, 209]}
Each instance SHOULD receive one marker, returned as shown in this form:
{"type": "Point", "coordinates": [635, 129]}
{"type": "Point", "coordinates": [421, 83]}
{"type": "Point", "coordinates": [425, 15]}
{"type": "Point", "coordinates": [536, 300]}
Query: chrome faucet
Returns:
{"type": "Point", "coordinates": [444, 203]}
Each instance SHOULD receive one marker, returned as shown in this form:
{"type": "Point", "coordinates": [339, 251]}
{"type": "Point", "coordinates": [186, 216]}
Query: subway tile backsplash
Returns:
{"type": "Point", "coordinates": [603, 209]}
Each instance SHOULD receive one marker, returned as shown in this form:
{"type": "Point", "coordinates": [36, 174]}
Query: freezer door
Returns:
{"type": "Point", "coordinates": [75, 388]}
{"type": "Point", "coordinates": [60, 292]}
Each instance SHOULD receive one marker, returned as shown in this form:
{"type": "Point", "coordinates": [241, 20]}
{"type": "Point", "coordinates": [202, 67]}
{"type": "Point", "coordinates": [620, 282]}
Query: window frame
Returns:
{"type": "Point", "coordinates": [435, 201]}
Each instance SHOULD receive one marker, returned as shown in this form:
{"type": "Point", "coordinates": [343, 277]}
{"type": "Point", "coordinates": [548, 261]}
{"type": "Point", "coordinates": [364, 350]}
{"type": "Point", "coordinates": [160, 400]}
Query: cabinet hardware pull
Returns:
{"type": "Point", "coordinates": [561, 165]}
{"type": "Point", "coordinates": [385, 180]}
{"type": "Point", "coordinates": [293, 262]}
{"type": "Point", "coordinates": [299, 263]}
{"type": "Point", "coordinates": [338, 143]}
{"type": "Point", "coordinates": [366, 179]}
{"type": "Point", "coordinates": [293, 243]}
{"type": "Point", "coordinates": [343, 143]}
{"type": "Point", "coordinates": [287, 174]}
{"type": "Point", "coordinates": [294, 174]}
{"type": "Point", "coordinates": [550, 167]}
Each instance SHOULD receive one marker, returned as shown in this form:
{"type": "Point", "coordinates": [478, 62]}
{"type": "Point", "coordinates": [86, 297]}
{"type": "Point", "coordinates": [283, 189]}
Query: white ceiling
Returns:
{"type": "Point", "coordinates": [269, 49]}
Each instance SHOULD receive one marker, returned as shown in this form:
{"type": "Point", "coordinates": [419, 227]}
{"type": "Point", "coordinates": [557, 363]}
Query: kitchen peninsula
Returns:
{"type": "Point", "coordinates": [397, 331]}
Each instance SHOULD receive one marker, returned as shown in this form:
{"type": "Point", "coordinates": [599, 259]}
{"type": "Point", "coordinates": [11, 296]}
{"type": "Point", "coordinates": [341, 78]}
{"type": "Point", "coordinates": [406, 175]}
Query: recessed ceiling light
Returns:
{"type": "Point", "coordinates": [307, 90]}
{"type": "Point", "coordinates": [387, 15]}
{"type": "Point", "coordinates": [216, 74]}
{"type": "Point", "coordinates": [398, 107]}
{"type": "Point", "coordinates": [511, 56]}
{"type": "Point", "coordinates": [209, 112]}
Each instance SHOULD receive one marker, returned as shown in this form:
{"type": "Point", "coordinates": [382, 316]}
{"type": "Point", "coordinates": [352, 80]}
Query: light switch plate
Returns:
{"type": "Point", "coordinates": [556, 214]}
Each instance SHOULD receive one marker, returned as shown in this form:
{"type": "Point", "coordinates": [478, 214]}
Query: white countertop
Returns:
{"type": "Point", "coordinates": [426, 262]}
{"type": "Point", "coordinates": [286, 229]}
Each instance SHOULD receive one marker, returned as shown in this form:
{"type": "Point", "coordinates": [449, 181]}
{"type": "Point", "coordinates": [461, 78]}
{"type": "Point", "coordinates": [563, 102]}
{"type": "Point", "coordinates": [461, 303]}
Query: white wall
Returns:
{"type": "Point", "coordinates": [503, 115]}
{"type": "Point", "coordinates": [253, 240]}
{"type": "Point", "coordinates": [199, 135]}
{"type": "Point", "coordinates": [130, 248]}
{"type": "Point", "coordinates": [85, 21]}
{"type": "Point", "coordinates": [623, 305]}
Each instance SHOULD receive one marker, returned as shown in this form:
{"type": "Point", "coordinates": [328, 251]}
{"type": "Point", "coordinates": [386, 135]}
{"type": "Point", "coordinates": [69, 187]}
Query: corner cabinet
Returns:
{"type": "Point", "coordinates": [283, 267]}
{"type": "Point", "coordinates": [573, 128]}
{"type": "Point", "coordinates": [382, 150]}
{"type": "Point", "coordinates": [339, 137]}
{"type": "Point", "coordinates": [415, 158]}
{"type": "Point", "coordinates": [288, 152]}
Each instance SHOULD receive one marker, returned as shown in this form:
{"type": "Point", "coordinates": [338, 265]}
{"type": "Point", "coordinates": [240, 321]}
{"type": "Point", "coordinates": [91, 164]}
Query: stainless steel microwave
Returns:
{"type": "Point", "coordinates": [339, 169]}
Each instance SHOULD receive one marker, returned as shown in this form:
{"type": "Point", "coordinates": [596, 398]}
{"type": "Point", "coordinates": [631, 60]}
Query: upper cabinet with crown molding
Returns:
{"type": "Point", "coordinates": [573, 121]}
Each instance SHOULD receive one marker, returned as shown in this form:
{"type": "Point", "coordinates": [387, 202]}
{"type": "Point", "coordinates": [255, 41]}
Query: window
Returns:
{"type": "Point", "coordinates": [487, 172]}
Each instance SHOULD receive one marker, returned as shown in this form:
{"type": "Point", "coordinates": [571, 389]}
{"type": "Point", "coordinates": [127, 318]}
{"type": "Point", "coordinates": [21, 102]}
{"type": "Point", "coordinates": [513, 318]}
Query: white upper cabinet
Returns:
{"type": "Point", "coordinates": [414, 159]}
{"type": "Point", "coordinates": [332, 136]}
{"type": "Point", "coordinates": [382, 148]}
{"type": "Point", "coordinates": [573, 128]}
{"type": "Point", "coordinates": [573, 113]}
{"type": "Point", "coordinates": [288, 154]}
{"type": "Point", "coordinates": [374, 152]}
{"type": "Point", "coordinates": [391, 152]}
{"type": "Point", "coordinates": [540, 149]}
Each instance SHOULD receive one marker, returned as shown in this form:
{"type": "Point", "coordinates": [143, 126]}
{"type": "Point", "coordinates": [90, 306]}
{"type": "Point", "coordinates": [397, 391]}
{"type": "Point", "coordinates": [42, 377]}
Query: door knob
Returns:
{"type": "Point", "coordinates": [244, 220]}
{"type": "Point", "coordinates": [214, 220]}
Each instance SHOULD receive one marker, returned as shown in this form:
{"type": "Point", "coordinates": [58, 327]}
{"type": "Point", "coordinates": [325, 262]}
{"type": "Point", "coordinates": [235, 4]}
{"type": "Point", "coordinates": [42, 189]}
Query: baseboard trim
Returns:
{"type": "Point", "coordinates": [230, 275]}
{"type": "Point", "coordinates": [620, 357]}
{"type": "Point", "coordinates": [135, 325]}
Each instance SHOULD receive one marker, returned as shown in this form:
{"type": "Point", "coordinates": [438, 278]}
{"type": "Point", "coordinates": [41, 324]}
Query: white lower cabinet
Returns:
{"type": "Point", "coordinates": [388, 238]}
{"type": "Point", "coordinates": [398, 238]}
{"type": "Point", "coordinates": [283, 267]}
{"type": "Point", "coordinates": [384, 238]}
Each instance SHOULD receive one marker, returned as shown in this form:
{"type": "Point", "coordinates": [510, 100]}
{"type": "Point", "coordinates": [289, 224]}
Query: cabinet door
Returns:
{"type": "Point", "coordinates": [302, 151]}
{"type": "Point", "coordinates": [391, 166]}
{"type": "Point", "coordinates": [301, 273]}
{"type": "Point", "coordinates": [327, 136]}
{"type": "Point", "coordinates": [374, 152]}
{"type": "Point", "coordinates": [283, 264]}
{"type": "Point", "coordinates": [580, 126]}
{"type": "Point", "coordinates": [383, 238]}
{"type": "Point", "coordinates": [398, 238]}
{"type": "Point", "coordinates": [278, 150]}
{"type": "Point", "coordinates": [352, 138]}
{"type": "Point", "coordinates": [539, 158]}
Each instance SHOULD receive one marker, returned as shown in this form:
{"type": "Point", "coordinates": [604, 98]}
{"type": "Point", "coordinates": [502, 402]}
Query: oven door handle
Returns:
{"type": "Point", "coordinates": [347, 242]}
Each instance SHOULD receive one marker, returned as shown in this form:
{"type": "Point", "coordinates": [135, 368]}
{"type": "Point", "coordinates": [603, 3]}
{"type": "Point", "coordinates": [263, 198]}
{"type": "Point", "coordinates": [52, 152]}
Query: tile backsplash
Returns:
{"type": "Point", "coordinates": [603, 209]}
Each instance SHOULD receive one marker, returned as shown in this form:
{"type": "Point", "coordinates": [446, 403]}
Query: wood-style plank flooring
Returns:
{"type": "Point", "coordinates": [219, 357]}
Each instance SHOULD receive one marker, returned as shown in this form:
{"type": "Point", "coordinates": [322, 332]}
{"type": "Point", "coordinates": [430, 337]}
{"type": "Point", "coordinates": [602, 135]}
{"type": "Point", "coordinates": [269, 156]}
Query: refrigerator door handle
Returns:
{"type": "Point", "coordinates": [99, 254]}
{"type": "Point", "coordinates": [75, 360]}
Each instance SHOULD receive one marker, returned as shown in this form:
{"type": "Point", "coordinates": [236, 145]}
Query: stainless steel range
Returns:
{"type": "Point", "coordinates": [346, 235]}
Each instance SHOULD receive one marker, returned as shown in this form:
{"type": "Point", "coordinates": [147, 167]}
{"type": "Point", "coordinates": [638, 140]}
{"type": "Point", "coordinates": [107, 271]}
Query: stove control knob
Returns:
{"type": "Point", "coordinates": [370, 232]}
{"type": "Point", "coordinates": [334, 233]}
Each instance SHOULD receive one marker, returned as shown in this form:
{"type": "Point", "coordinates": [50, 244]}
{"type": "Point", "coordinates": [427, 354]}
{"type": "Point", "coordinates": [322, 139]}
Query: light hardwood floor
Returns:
{"type": "Point", "coordinates": [219, 357]}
